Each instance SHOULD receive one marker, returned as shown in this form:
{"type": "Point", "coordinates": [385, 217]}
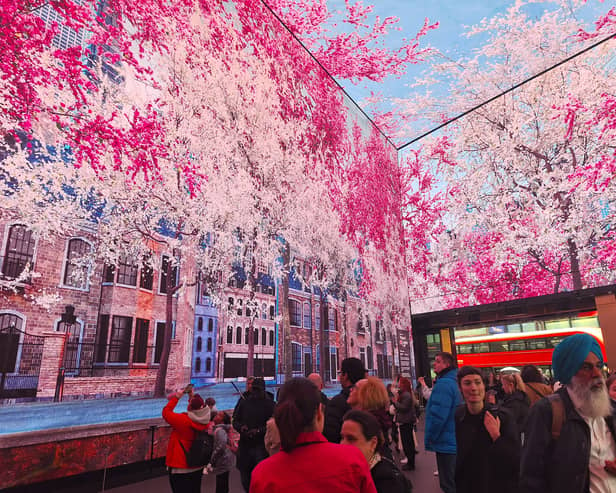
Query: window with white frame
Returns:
{"type": "Point", "coordinates": [164, 273]}
{"type": "Point", "coordinates": [296, 357]}
{"type": "Point", "coordinates": [307, 315]}
{"type": "Point", "coordinates": [11, 327]}
{"type": "Point", "coordinates": [119, 341]}
{"type": "Point", "coordinates": [77, 263]}
{"type": "Point", "coordinates": [127, 272]}
{"type": "Point", "coordinates": [295, 313]}
{"type": "Point", "coordinates": [332, 319]}
{"type": "Point", "coordinates": [19, 252]}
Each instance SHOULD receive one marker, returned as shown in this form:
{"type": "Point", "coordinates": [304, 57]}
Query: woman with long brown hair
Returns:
{"type": "Point", "coordinates": [307, 462]}
{"type": "Point", "coordinates": [406, 417]}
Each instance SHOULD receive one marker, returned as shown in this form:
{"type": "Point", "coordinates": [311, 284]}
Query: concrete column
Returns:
{"type": "Point", "coordinates": [606, 309]}
{"type": "Point", "coordinates": [51, 361]}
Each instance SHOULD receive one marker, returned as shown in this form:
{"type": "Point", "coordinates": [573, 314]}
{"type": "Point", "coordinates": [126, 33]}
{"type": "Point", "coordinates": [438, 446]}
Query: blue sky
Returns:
{"type": "Point", "coordinates": [454, 18]}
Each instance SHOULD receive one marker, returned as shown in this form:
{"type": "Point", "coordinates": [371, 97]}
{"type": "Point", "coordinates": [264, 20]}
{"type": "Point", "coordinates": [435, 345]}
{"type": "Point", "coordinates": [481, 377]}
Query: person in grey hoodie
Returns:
{"type": "Point", "coordinates": [222, 459]}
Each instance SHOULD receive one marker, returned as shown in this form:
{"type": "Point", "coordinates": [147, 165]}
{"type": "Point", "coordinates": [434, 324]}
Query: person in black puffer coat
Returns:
{"type": "Point", "coordinates": [515, 400]}
{"type": "Point", "coordinates": [362, 430]}
{"type": "Point", "coordinates": [250, 420]}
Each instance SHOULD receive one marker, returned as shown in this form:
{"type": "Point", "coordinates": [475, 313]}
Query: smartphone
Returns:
{"type": "Point", "coordinates": [188, 388]}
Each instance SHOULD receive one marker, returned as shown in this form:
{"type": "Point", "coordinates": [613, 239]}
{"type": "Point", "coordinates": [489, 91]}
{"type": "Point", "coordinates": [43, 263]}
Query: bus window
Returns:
{"type": "Point", "coordinates": [465, 349]}
{"type": "Point", "coordinates": [553, 341]}
{"type": "Point", "coordinates": [536, 344]}
{"type": "Point", "coordinates": [499, 346]}
{"type": "Point", "coordinates": [585, 322]}
{"type": "Point", "coordinates": [514, 328]}
{"type": "Point", "coordinates": [558, 324]}
{"type": "Point", "coordinates": [517, 345]}
{"type": "Point", "coordinates": [482, 347]}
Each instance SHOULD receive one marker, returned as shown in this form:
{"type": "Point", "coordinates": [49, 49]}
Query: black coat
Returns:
{"type": "Point", "coordinates": [251, 415]}
{"type": "Point", "coordinates": [388, 478]}
{"type": "Point", "coordinates": [483, 465]}
{"type": "Point", "coordinates": [559, 466]}
{"type": "Point", "coordinates": [518, 405]}
{"type": "Point", "coordinates": [334, 412]}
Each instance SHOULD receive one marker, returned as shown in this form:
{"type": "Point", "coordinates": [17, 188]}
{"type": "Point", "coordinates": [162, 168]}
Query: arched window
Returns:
{"type": "Point", "coordinates": [200, 324]}
{"type": "Point", "coordinates": [199, 344]}
{"type": "Point", "coordinates": [295, 313]}
{"type": "Point", "coordinates": [19, 251]}
{"type": "Point", "coordinates": [255, 336]}
{"type": "Point", "coordinates": [246, 335]}
{"type": "Point", "coordinates": [198, 365]}
{"type": "Point", "coordinates": [238, 335]}
{"type": "Point", "coordinates": [248, 310]}
{"type": "Point", "coordinates": [264, 311]}
{"type": "Point", "coordinates": [317, 316]}
{"type": "Point", "coordinates": [307, 316]}
{"type": "Point", "coordinates": [240, 302]}
{"type": "Point", "coordinates": [272, 312]}
{"type": "Point", "coordinates": [271, 338]}
{"type": "Point", "coordinates": [11, 330]}
{"type": "Point", "coordinates": [208, 364]}
{"type": "Point", "coordinates": [77, 263]}
{"type": "Point", "coordinates": [263, 336]}
{"type": "Point", "coordinates": [229, 335]}
{"type": "Point", "coordinates": [230, 307]}
{"type": "Point", "coordinates": [209, 344]}
{"type": "Point", "coordinates": [210, 325]}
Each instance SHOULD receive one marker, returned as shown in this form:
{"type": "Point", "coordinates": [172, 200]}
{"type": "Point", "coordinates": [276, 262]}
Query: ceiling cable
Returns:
{"type": "Point", "coordinates": [513, 88]}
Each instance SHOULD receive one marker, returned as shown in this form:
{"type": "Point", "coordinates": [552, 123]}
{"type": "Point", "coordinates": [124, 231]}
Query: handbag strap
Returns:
{"type": "Point", "coordinates": [535, 390]}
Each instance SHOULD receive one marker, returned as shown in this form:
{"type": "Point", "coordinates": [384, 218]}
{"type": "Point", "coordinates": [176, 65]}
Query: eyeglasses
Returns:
{"type": "Point", "coordinates": [589, 367]}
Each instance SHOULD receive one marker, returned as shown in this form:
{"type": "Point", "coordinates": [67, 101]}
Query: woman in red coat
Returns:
{"type": "Point", "coordinates": [182, 478]}
{"type": "Point", "coordinates": [307, 462]}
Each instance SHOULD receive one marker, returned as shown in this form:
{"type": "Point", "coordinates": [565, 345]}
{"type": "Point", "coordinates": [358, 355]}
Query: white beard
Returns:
{"type": "Point", "coordinates": [590, 402]}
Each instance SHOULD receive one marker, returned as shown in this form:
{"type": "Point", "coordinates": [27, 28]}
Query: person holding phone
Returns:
{"type": "Point", "coordinates": [488, 442]}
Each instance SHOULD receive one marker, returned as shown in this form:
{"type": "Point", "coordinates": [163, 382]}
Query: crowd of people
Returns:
{"type": "Point", "coordinates": [507, 433]}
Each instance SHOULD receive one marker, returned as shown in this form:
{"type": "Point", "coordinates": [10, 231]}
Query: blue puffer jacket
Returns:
{"type": "Point", "coordinates": [440, 434]}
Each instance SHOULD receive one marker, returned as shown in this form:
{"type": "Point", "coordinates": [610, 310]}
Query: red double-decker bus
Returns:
{"type": "Point", "coordinates": [517, 349]}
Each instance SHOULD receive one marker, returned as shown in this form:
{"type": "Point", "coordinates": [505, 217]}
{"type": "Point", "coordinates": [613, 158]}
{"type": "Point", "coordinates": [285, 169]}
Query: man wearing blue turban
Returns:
{"type": "Point", "coordinates": [570, 436]}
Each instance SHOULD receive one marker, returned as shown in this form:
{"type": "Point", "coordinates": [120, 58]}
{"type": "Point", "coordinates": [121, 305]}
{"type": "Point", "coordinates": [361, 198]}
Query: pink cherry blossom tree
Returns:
{"type": "Point", "coordinates": [529, 208]}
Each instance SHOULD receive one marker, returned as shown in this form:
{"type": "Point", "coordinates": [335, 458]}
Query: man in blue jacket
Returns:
{"type": "Point", "coordinates": [440, 433]}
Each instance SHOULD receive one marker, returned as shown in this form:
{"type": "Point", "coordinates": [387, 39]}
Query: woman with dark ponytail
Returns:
{"type": "Point", "coordinates": [307, 462]}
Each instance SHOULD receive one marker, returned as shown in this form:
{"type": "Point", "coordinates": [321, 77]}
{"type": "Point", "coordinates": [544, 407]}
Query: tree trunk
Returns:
{"type": "Point", "coordinates": [575, 264]}
{"type": "Point", "coordinates": [161, 375]}
{"type": "Point", "coordinates": [252, 282]}
{"type": "Point", "coordinates": [322, 346]}
{"type": "Point", "coordinates": [287, 363]}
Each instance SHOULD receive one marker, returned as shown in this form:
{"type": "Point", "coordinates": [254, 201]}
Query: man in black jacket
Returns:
{"type": "Point", "coordinates": [569, 442]}
{"type": "Point", "coordinates": [250, 417]}
{"type": "Point", "coordinates": [351, 371]}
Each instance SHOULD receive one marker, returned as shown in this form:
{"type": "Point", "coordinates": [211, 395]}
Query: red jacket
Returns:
{"type": "Point", "coordinates": [183, 429]}
{"type": "Point", "coordinates": [314, 468]}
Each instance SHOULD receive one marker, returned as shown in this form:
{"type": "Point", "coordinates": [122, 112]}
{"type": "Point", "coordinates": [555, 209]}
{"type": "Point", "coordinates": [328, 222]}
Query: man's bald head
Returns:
{"type": "Point", "coordinates": [315, 378]}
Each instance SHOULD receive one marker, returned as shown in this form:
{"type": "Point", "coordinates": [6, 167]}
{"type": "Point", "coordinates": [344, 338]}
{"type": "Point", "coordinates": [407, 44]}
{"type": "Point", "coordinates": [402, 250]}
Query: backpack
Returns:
{"type": "Point", "coordinates": [233, 440]}
{"type": "Point", "coordinates": [201, 449]}
{"type": "Point", "coordinates": [558, 414]}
